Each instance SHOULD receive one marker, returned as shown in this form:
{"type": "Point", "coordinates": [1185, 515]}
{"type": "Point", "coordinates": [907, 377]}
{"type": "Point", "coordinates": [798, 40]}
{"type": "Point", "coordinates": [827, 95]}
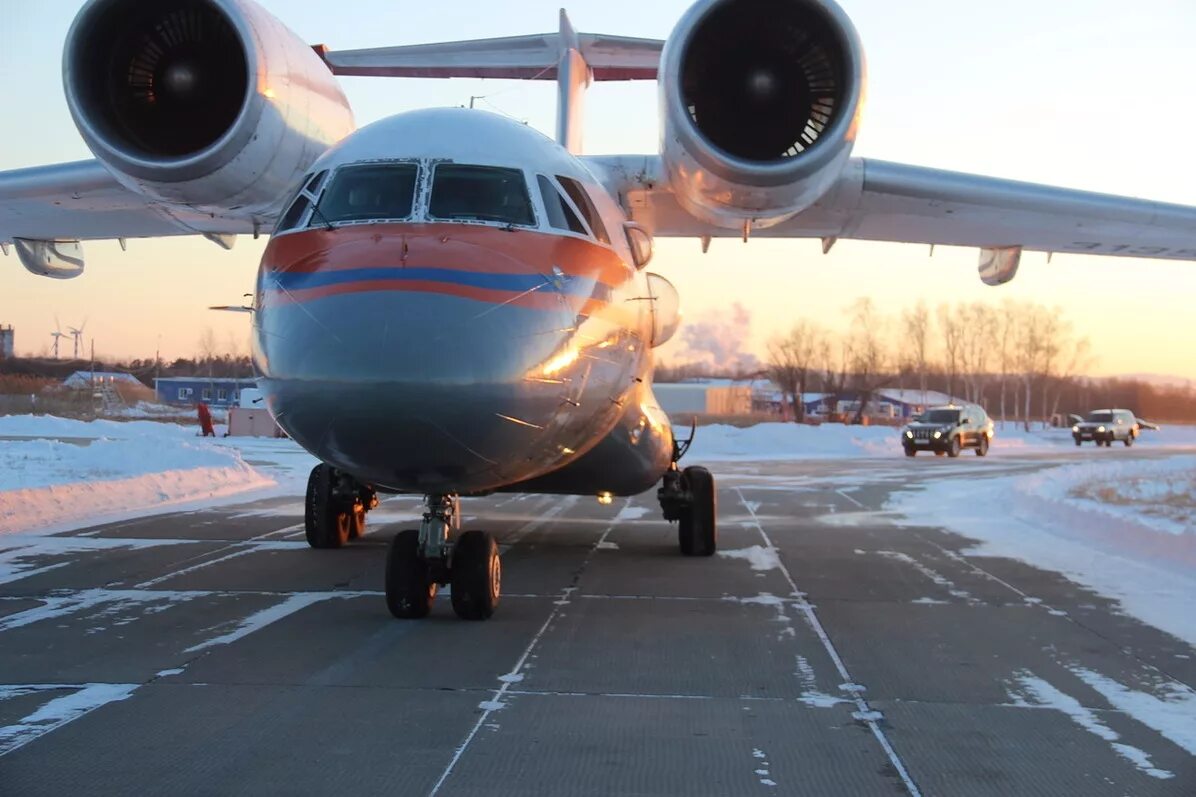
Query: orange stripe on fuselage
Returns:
{"type": "Point", "coordinates": [462, 247]}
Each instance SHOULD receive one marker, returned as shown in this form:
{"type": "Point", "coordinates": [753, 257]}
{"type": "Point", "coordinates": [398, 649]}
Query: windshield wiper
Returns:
{"type": "Point", "coordinates": [315, 211]}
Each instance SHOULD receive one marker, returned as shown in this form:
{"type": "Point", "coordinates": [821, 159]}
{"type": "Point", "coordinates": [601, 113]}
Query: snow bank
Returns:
{"type": "Point", "coordinates": [111, 469]}
{"type": "Point", "coordinates": [774, 441]}
{"type": "Point", "coordinates": [1136, 553]}
{"type": "Point", "coordinates": [51, 426]}
{"type": "Point", "coordinates": [791, 441]}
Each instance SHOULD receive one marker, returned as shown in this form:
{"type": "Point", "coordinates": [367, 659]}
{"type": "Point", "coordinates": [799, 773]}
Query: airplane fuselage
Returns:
{"type": "Point", "coordinates": [440, 312]}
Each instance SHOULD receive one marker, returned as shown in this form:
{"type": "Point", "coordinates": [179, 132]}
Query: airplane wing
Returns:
{"type": "Point", "coordinates": [881, 201]}
{"type": "Point", "coordinates": [83, 201]}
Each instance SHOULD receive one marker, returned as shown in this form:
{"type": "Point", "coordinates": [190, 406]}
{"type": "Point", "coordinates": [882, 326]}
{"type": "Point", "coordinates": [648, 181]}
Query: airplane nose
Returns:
{"type": "Point", "coordinates": [413, 377]}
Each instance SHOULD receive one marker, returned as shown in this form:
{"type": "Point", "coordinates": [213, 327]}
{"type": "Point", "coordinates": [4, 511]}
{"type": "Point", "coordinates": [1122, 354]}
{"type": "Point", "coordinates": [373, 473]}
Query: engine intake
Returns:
{"type": "Point", "coordinates": [160, 81]}
{"type": "Point", "coordinates": [760, 99]}
{"type": "Point", "coordinates": [206, 103]}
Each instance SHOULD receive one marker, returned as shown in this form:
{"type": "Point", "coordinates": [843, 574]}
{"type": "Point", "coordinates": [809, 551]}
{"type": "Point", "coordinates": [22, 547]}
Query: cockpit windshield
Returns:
{"type": "Point", "coordinates": [940, 416]}
{"type": "Point", "coordinates": [370, 192]}
{"type": "Point", "coordinates": [480, 193]}
{"type": "Point", "coordinates": [1100, 417]}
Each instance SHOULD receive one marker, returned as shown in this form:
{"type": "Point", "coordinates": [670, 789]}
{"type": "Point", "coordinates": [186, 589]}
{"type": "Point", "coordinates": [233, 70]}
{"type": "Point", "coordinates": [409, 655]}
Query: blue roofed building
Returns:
{"type": "Point", "coordinates": [191, 390]}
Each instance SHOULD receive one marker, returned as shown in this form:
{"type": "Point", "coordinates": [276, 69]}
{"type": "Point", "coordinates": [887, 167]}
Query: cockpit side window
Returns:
{"type": "Point", "coordinates": [577, 193]}
{"type": "Point", "coordinates": [560, 213]}
{"type": "Point", "coordinates": [370, 192]}
{"type": "Point", "coordinates": [297, 209]}
{"type": "Point", "coordinates": [480, 193]}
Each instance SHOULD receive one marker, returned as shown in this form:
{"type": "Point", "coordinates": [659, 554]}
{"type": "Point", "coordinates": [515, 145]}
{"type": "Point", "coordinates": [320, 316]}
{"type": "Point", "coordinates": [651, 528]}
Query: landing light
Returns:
{"type": "Point", "coordinates": [605, 498]}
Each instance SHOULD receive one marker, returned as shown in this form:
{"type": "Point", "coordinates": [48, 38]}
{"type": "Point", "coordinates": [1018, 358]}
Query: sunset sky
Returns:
{"type": "Point", "coordinates": [1080, 93]}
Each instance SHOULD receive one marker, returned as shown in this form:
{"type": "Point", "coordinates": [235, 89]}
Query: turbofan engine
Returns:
{"type": "Point", "coordinates": [761, 100]}
{"type": "Point", "coordinates": [212, 104]}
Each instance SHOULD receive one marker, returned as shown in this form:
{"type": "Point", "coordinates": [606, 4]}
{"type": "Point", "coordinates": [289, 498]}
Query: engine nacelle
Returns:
{"type": "Point", "coordinates": [211, 104]}
{"type": "Point", "coordinates": [761, 102]}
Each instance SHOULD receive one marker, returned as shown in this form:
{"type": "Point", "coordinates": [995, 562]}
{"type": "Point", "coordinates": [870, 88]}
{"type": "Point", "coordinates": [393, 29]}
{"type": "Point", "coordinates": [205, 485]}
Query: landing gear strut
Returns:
{"type": "Point", "coordinates": [422, 560]}
{"type": "Point", "coordinates": [335, 508]}
{"type": "Point", "coordinates": [689, 498]}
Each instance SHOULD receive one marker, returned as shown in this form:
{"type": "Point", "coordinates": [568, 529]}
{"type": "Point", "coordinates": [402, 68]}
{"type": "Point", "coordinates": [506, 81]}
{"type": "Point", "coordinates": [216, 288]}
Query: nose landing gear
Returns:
{"type": "Point", "coordinates": [689, 498]}
{"type": "Point", "coordinates": [422, 560]}
{"type": "Point", "coordinates": [335, 507]}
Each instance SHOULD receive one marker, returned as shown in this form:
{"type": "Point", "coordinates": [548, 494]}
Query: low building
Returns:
{"type": "Point", "coordinates": [886, 403]}
{"type": "Point", "coordinates": [82, 380]}
{"type": "Point", "coordinates": [191, 390]}
{"type": "Point", "coordinates": [704, 397]}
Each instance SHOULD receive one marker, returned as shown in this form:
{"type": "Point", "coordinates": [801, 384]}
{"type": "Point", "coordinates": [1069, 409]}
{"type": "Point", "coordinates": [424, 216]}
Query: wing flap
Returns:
{"type": "Point", "coordinates": [83, 201]}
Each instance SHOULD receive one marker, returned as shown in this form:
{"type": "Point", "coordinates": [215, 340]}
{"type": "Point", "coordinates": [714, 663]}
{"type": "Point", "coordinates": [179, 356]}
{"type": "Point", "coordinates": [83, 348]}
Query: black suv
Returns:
{"type": "Point", "coordinates": [948, 430]}
{"type": "Point", "coordinates": [1104, 426]}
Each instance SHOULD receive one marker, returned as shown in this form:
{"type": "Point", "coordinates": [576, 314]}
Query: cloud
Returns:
{"type": "Point", "coordinates": [719, 339]}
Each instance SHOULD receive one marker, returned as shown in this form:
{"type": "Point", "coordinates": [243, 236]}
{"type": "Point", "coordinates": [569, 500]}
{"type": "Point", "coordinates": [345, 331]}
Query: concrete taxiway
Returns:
{"type": "Point", "coordinates": [836, 651]}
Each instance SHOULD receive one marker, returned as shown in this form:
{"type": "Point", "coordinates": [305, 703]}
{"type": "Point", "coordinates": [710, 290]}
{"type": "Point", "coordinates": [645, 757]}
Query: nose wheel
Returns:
{"type": "Point", "coordinates": [689, 498]}
{"type": "Point", "coordinates": [422, 560]}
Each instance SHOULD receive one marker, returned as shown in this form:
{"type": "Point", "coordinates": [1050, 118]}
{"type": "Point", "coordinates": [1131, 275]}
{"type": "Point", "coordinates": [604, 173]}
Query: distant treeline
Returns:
{"type": "Point", "coordinates": [18, 370]}
{"type": "Point", "coordinates": [1021, 361]}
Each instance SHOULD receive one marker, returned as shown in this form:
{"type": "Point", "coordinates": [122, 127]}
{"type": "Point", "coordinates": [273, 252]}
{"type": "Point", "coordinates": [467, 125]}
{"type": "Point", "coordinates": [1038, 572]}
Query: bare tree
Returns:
{"type": "Point", "coordinates": [952, 329]}
{"type": "Point", "coordinates": [1006, 331]}
{"type": "Point", "coordinates": [1030, 349]}
{"type": "Point", "coordinates": [977, 338]}
{"type": "Point", "coordinates": [868, 354]}
{"type": "Point", "coordinates": [916, 324]}
{"type": "Point", "coordinates": [209, 349]}
{"type": "Point", "coordinates": [1078, 358]}
{"type": "Point", "coordinates": [791, 363]}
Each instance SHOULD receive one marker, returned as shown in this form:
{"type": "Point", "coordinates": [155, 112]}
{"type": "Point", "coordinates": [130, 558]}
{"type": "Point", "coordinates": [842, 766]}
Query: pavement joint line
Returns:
{"type": "Point", "coordinates": [865, 713]}
{"type": "Point", "coordinates": [1067, 616]}
{"type": "Point", "coordinates": [513, 539]}
{"type": "Point", "coordinates": [562, 601]}
{"type": "Point", "coordinates": [849, 498]}
{"type": "Point", "coordinates": [246, 544]}
{"type": "Point", "coordinates": [366, 593]}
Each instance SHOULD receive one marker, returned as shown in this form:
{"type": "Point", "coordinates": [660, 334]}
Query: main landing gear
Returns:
{"type": "Point", "coordinates": [422, 560]}
{"type": "Point", "coordinates": [688, 497]}
{"type": "Point", "coordinates": [335, 508]}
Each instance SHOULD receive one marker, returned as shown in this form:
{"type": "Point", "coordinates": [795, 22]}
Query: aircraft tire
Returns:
{"type": "Point", "coordinates": [476, 576]}
{"type": "Point", "coordinates": [409, 590]}
{"type": "Point", "coordinates": [324, 523]}
{"type": "Point", "coordinates": [697, 532]}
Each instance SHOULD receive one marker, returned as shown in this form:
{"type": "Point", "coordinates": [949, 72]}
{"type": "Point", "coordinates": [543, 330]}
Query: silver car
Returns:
{"type": "Point", "coordinates": [1105, 426]}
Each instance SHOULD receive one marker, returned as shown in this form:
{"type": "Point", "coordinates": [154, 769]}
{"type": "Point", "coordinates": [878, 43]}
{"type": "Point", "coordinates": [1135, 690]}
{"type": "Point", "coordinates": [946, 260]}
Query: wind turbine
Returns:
{"type": "Point", "coordinates": [77, 334]}
{"type": "Point", "coordinates": [58, 335]}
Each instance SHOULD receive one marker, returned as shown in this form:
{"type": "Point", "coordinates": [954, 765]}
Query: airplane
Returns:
{"type": "Point", "coordinates": [451, 303]}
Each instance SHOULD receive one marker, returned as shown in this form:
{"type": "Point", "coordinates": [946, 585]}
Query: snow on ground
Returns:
{"type": "Point", "coordinates": [57, 473]}
{"type": "Point", "coordinates": [1113, 526]}
{"type": "Point", "coordinates": [790, 441]}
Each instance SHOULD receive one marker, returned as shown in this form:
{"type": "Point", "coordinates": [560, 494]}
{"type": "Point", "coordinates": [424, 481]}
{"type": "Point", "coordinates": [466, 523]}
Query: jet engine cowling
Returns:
{"type": "Point", "coordinates": [211, 104]}
{"type": "Point", "coordinates": [760, 102]}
